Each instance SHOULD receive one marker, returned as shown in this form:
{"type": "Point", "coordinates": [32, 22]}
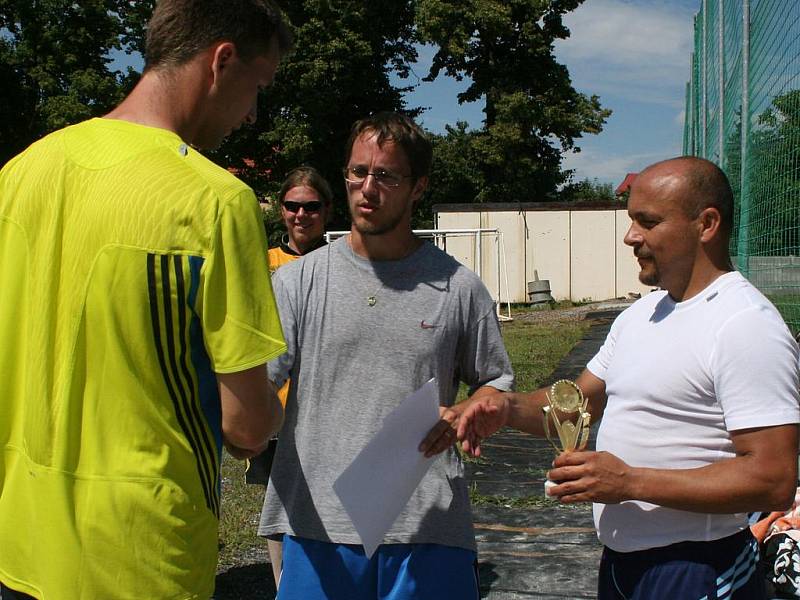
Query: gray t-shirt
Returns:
{"type": "Point", "coordinates": [351, 364]}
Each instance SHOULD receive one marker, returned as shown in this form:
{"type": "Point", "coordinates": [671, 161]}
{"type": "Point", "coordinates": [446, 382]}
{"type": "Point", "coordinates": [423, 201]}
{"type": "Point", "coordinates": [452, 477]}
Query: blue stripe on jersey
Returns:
{"type": "Point", "coordinates": [206, 379]}
{"type": "Point", "coordinates": [163, 333]}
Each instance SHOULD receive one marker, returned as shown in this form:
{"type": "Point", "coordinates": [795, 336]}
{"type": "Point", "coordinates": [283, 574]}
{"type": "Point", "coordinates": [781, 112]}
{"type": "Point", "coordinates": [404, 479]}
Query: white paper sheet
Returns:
{"type": "Point", "coordinates": [377, 485]}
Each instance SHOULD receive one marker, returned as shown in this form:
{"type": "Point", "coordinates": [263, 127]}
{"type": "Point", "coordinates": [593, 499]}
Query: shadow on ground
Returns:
{"type": "Point", "coordinates": [248, 582]}
{"type": "Point", "coordinates": [528, 546]}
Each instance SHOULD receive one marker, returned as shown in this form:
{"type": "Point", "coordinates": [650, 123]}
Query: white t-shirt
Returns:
{"type": "Point", "coordinates": [679, 377]}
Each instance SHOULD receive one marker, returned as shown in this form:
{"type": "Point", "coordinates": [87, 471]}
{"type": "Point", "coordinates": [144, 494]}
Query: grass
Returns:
{"type": "Point", "coordinates": [522, 502]}
{"type": "Point", "coordinates": [534, 348]}
{"type": "Point", "coordinates": [239, 515]}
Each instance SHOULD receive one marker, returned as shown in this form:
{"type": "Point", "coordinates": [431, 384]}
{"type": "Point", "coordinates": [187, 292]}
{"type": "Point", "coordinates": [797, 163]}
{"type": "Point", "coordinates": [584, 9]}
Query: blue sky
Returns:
{"type": "Point", "coordinates": [635, 55]}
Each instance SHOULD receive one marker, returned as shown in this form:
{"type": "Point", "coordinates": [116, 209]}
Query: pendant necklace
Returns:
{"type": "Point", "coordinates": [372, 299]}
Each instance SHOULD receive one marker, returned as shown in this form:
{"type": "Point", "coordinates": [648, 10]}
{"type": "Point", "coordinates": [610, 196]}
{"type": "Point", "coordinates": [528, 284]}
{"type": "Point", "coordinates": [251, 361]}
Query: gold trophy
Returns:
{"type": "Point", "coordinates": [567, 410]}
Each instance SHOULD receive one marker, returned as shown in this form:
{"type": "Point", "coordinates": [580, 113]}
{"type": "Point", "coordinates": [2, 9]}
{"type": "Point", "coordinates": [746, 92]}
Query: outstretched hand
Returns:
{"type": "Point", "coordinates": [481, 419]}
{"type": "Point", "coordinates": [468, 422]}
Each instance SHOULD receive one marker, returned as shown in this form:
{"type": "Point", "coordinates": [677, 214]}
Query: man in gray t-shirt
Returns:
{"type": "Point", "coordinates": [368, 320]}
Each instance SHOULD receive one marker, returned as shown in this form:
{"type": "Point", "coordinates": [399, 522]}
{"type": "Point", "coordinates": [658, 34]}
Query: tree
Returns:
{"type": "Point", "coordinates": [54, 62]}
{"type": "Point", "coordinates": [588, 190]}
{"type": "Point", "coordinates": [774, 174]}
{"type": "Point", "coordinates": [339, 71]}
{"type": "Point", "coordinates": [533, 114]}
{"type": "Point", "coordinates": [54, 66]}
{"type": "Point", "coordinates": [453, 174]}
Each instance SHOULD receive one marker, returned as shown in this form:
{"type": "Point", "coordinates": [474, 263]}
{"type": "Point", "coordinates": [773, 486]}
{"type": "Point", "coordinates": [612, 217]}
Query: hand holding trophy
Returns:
{"type": "Point", "coordinates": [567, 411]}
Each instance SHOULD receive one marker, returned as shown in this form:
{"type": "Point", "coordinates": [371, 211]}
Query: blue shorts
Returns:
{"type": "Point", "coordinates": [314, 570]}
{"type": "Point", "coordinates": [724, 569]}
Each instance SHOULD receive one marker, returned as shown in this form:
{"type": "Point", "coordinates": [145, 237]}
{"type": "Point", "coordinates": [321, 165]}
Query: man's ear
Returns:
{"type": "Point", "coordinates": [222, 53]}
{"type": "Point", "coordinates": [420, 185]}
{"type": "Point", "coordinates": [709, 221]}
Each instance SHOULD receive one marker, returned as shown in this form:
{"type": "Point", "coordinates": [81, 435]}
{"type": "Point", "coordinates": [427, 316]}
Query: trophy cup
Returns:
{"type": "Point", "coordinates": [567, 411]}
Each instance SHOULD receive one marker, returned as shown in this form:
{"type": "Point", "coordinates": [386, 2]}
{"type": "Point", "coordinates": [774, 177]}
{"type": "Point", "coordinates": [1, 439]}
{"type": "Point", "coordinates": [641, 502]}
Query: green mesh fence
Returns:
{"type": "Point", "coordinates": [743, 112]}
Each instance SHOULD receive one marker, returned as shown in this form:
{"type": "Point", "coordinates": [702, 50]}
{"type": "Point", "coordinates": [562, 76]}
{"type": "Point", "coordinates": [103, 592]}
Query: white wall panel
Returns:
{"type": "Point", "coordinates": [462, 248]}
{"type": "Point", "coordinates": [593, 252]}
{"type": "Point", "coordinates": [627, 267]}
{"type": "Point", "coordinates": [548, 250]}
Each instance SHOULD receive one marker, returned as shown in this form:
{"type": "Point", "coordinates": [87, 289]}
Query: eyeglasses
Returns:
{"type": "Point", "coordinates": [310, 207]}
{"type": "Point", "coordinates": [357, 175]}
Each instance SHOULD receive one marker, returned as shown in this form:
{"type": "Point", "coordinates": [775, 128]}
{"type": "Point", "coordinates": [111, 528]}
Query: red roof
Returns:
{"type": "Point", "coordinates": [249, 163]}
{"type": "Point", "coordinates": [625, 186]}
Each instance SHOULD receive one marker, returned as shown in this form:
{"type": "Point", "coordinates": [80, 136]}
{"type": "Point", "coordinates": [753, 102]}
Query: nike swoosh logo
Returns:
{"type": "Point", "coordinates": [425, 325]}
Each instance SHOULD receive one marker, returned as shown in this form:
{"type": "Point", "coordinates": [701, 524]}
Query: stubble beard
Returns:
{"type": "Point", "coordinates": [365, 227]}
{"type": "Point", "coordinates": [374, 229]}
{"type": "Point", "coordinates": [649, 276]}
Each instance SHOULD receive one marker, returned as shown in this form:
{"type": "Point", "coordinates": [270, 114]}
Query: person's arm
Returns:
{"type": "Point", "coordinates": [482, 363]}
{"type": "Point", "coordinates": [240, 324]}
{"type": "Point", "coordinates": [444, 433]}
{"type": "Point", "coordinates": [488, 413]}
{"type": "Point", "coordinates": [251, 411]}
{"type": "Point", "coordinates": [762, 476]}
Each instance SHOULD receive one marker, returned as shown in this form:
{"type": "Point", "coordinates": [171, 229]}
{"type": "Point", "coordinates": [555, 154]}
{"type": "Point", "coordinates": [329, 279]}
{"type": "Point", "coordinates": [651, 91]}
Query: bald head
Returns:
{"type": "Point", "coordinates": [698, 183]}
{"type": "Point", "coordinates": [681, 213]}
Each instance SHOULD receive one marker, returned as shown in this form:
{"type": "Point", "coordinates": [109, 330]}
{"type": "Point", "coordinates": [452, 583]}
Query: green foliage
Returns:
{"type": "Point", "coordinates": [523, 502]}
{"type": "Point", "coordinates": [454, 176]}
{"type": "Point", "coordinates": [588, 190]}
{"type": "Point", "coordinates": [54, 66]}
{"type": "Point", "coordinates": [536, 348]}
{"type": "Point", "coordinates": [774, 174]}
{"type": "Point", "coordinates": [789, 307]}
{"type": "Point", "coordinates": [240, 511]}
{"type": "Point", "coordinates": [533, 113]}
{"type": "Point", "coordinates": [345, 52]}
{"type": "Point", "coordinates": [273, 222]}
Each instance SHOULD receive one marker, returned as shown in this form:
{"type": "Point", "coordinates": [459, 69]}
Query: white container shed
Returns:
{"type": "Point", "coordinates": [576, 246]}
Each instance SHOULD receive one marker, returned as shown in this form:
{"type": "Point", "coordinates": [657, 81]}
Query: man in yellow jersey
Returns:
{"type": "Point", "coordinates": [137, 315]}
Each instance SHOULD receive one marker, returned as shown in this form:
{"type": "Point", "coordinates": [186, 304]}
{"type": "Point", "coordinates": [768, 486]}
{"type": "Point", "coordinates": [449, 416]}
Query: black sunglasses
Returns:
{"type": "Point", "coordinates": [309, 207]}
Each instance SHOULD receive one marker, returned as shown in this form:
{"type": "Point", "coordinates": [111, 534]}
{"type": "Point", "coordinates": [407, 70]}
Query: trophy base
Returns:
{"type": "Point", "coordinates": [548, 485]}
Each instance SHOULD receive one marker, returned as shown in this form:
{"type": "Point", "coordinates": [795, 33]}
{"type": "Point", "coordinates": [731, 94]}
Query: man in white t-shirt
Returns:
{"type": "Point", "coordinates": [698, 387]}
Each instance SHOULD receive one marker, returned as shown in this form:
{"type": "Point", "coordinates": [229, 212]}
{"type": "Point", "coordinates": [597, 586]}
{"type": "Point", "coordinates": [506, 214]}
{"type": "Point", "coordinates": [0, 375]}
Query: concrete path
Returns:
{"type": "Point", "coordinates": [529, 546]}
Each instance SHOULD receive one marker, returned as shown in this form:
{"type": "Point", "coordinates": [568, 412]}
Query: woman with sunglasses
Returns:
{"type": "Point", "coordinates": [305, 198]}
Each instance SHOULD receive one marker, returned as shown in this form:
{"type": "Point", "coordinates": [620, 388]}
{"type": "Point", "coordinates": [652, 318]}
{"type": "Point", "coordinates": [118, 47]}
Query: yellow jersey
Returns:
{"type": "Point", "coordinates": [131, 271]}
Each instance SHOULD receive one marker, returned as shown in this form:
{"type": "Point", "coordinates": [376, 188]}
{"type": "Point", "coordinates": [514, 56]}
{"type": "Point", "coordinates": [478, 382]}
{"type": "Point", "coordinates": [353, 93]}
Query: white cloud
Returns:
{"type": "Point", "coordinates": [680, 119]}
{"type": "Point", "coordinates": [606, 167]}
{"type": "Point", "coordinates": [640, 51]}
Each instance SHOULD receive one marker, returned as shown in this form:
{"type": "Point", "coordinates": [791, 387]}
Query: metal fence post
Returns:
{"type": "Point", "coordinates": [687, 132]}
{"type": "Point", "coordinates": [704, 84]}
{"type": "Point", "coordinates": [743, 249]}
{"type": "Point", "coordinates": [721, 79]}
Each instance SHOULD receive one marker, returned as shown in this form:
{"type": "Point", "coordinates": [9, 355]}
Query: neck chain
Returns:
{"type": "Point", "coordinates": [372, 299]}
